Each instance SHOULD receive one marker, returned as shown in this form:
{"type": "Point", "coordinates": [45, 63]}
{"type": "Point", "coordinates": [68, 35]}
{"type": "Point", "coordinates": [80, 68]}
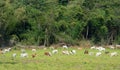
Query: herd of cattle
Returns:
{"type": "Point", "coordinates": [66, 51]}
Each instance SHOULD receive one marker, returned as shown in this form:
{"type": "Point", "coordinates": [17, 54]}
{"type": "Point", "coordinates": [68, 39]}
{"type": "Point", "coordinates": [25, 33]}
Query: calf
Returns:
{"type": "Point", "coordinates": [34, 55]}
{"type": "Point", "coordinates": [47, 54]}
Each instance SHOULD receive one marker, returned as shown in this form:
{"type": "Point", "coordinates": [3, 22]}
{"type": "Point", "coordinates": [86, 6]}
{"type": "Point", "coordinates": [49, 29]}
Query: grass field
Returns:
{"type": "Point", "coordinates": [79, 61]}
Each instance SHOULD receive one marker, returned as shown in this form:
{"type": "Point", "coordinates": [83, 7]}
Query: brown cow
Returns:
{"type": "Point", "coordinates": [47, 54]}
{"type": "Point", "coordinates": [86, 52]}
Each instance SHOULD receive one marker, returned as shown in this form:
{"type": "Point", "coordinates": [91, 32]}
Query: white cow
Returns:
{"type": "Point", "coordinates": [7, 50]}
{"type": "Point", "coordinates": [117, 46]}
{"type": "Point", "coordinates": [65, 46]}
{"type": "Point", "coordinates": [98, 53]}
{"type": "Point", "coordinates": [93, 47]}
{"type": "Point", "coordinates": [66, 52]}
{"type": "Point", "coordinates": [24, 55]}
{"type": "Point", "coordinates": [111, 47]}
{"type": "Point", "coordinates": [113, 54]}
{"type": "Point", "coordinates": [73, 52]}
{"type": "Point", "coordinates": [54, 51]}
{"type": "Point", "coordinates": [100, 48]}
{"type": "Point", "coordinates": [33, 50]}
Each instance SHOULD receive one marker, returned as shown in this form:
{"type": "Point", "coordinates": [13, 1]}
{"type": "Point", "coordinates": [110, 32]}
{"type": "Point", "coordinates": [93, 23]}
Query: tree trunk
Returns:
{"type": "Point", "coordinates": [87, 31]}
{"type": "Point", "coordinates": [46, 42]}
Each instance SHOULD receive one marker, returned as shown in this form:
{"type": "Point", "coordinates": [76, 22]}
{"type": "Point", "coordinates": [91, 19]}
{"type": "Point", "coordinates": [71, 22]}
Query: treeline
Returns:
{"type": "Point", "coordinates": [46, 22]}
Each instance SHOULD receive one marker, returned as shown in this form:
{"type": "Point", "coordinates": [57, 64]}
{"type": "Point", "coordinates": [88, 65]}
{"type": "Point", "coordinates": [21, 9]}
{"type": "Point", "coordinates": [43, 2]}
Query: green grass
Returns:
{"type": "Point", "coordinates": [59, 61]}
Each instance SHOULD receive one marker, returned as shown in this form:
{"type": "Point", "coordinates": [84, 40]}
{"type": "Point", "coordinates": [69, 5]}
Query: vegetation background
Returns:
{"type": "Point", "coordinates": [46, 22]}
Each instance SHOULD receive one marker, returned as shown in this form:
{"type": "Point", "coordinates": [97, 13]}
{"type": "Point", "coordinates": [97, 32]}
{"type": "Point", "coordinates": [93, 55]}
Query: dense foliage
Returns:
{"type": "Point", "coordinates": [45, 22]}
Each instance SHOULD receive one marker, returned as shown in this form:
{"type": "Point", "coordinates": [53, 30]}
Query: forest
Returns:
{"type": "Point", "coordinates": [47, 22]}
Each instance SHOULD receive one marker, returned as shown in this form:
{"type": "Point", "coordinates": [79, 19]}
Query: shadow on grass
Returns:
{"type": "Point", "coordinates": [8, 62]}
